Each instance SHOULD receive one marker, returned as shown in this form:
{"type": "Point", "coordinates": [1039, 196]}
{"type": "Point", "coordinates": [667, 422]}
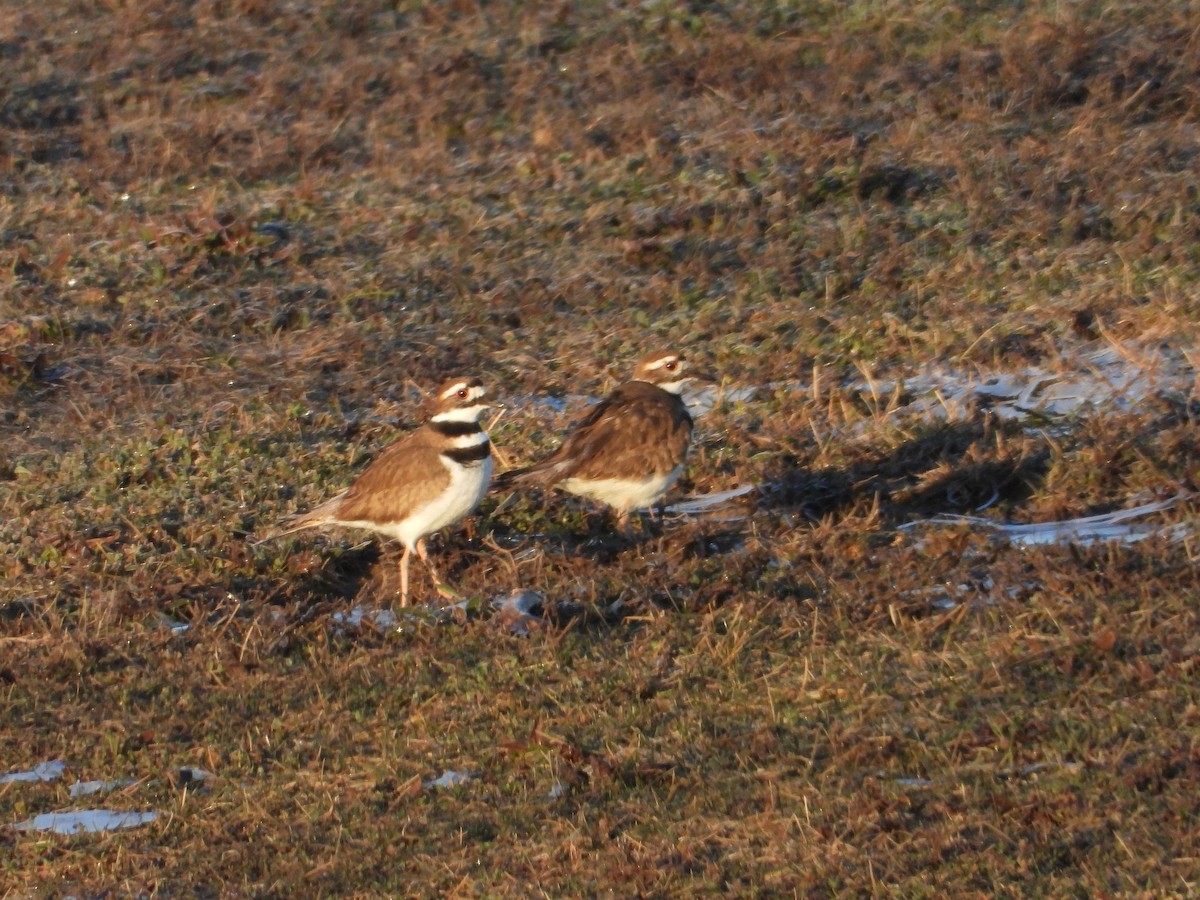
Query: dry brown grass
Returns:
{"type": "Point", "coordinates": [241, 239]}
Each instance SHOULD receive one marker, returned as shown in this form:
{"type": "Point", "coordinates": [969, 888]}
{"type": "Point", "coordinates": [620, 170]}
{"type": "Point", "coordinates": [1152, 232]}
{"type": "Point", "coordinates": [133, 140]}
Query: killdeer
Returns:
{"type": "Point", "coordinates": [629, 449]}
{"type": "Point", "coordinates": [428, 479]}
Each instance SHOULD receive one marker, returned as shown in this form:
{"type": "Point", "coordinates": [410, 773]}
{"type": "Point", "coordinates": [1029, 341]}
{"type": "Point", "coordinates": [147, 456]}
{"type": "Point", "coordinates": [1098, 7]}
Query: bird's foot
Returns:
{"type": "Point", "coordinates": [446, 592]}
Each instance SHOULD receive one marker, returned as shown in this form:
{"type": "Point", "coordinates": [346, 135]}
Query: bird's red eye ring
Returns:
{"type": "Point", "coordinates": [672, 366]}
{"type": "Point", "coordinates": [462, 392]}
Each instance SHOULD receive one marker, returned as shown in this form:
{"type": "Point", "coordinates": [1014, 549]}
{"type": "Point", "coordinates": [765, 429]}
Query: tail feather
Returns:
{"type": "Point", "coordinates": [537, 475]}
{"type": "Point", "coordinates": [320, 515]}
{"type": "Point", "coordinates": [508, 480]}
{"type": "Point", "coordinates": [306, 522]}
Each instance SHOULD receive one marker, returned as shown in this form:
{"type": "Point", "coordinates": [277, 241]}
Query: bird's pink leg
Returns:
{"type": "Point", "coordinates": [443, 590]}
{"type": "Point", "coordinates": [404, 577]}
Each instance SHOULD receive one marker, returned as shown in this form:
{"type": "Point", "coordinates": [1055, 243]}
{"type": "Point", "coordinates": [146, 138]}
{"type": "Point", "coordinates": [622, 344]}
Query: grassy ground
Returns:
{"type": "Point", "coordinates": [241, 240]}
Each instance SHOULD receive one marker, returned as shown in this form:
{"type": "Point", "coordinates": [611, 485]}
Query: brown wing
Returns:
{"type": "Point", "coordinates": [638, 431]}
{"type": "Point", "coordinates": [405, 476]}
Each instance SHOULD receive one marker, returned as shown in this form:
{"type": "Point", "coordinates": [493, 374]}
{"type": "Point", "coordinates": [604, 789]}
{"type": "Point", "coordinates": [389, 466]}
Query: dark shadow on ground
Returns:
{"type": "Point", "coordinates": [570, 527]}
{"type": "Point", "coordinates": [954, 468]}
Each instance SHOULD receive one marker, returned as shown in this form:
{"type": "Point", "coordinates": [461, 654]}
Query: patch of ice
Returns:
{"type": "Point", "coordinates": [1114, 526]}
{"type": "Point", "coordinates": [949, 595]}
{"type": "Point", "coordinates": [913, 782]}
{"type": "Point", "coordinates": [47, 771]}
{"type": "Point", "coordinates": [939, 596]}
{"type": "Point", "coordinates": [556, 404]}
{"type": "Point", "coordinates": [386, 619]}
{"type": "Point", "coordinates": [85, 821]}
{"type": "Point", "coordinates": [514, 611]}
{"type": "Point", "coordinates": [705, 397]}
{"type": "Point", "coordinates": [87, 788]}
{"type": "Point", "coordinates": [558, 789]}
{"type": "Point", "coordinates": [193, 774]}
{"type": "Point", "coordinates": [1109, 377]}
{"type": "Point", "coordinates": [175, 626]}
{"type": "Point", "coordinates": [382, 619]}
{"type": "Point", "coordinates": [699, 397]}
{"type": "Point", "coordinates": [449, 779]}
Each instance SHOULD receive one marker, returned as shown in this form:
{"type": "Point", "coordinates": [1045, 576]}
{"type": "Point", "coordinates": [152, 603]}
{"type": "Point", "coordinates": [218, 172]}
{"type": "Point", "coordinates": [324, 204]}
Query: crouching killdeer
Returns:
{"type": "Point", "coordinates": [629, 449]}
{"type": "Point", "coordinates": [428, 479]}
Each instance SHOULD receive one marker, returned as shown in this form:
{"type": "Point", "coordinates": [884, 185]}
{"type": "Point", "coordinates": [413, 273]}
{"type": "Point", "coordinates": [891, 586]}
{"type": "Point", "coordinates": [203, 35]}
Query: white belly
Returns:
{"type": "Point", "coordinates": [622, 495]}
{"type": "Point", "coordinates": [468, 484]}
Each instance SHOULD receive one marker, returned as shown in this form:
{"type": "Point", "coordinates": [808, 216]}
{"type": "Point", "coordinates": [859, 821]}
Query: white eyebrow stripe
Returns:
{"type": "Point", "coordinates": [658, 364]}
{"type": "Point", "coordinates": [451, 391]}
{"type": "Point", "coordinates": [473, 392]}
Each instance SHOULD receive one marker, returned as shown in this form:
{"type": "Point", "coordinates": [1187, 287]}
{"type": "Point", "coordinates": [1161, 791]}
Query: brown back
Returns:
{"type": "Point", "coordinates": [639, 431]}
{"type": "Point", "coordinates": [403, 478]}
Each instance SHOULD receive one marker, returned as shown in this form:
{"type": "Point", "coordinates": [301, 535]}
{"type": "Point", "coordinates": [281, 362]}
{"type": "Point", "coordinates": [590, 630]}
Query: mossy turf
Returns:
{"type": "Point", "coordinates": [241, 241]}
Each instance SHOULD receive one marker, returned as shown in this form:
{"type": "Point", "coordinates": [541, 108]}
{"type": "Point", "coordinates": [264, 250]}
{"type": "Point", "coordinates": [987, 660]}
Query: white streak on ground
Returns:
{"type": "Point", "coordinates": [1114, 526]}
{"type": "Point", "coordinates": [449, 779]}
{"type": "Point", "coordinates": [87, 788]}
{"type": "Point", "coordinates": [1086, 378]}
{"type": "Point", "coordinates": [86, 821]}
{"type": "Point", "coordinates": [47, 771]}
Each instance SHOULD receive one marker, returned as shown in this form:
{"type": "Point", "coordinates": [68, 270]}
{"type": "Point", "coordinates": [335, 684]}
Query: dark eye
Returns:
{"type": "Point", "coordinates": [672, 366]}
{"type": "Point", "coordinates": [462, 393]}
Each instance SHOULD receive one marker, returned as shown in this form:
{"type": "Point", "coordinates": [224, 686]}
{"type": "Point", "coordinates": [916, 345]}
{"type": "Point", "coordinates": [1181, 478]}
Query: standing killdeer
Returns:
{"type": "Point", "coordinates": [428, 479]}
{"type": "Point", "coordinates": [629, 449]}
